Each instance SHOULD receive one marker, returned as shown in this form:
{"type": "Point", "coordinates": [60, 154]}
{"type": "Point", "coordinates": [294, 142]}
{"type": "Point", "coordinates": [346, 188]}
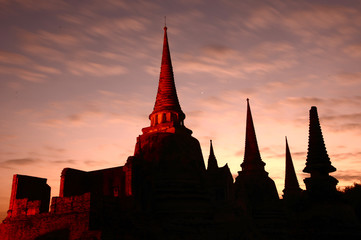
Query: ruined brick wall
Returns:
{"type": "Point", "coordinates": [24, 207]}
{"type": "Point", "coordinates": [75, 225]}
{"type": "Point", "coordinates": [86, 200]}
{"type": "Point", "coordinates": [107, 182]}
{"type": "Point", "coordinates": [114, 182]}
{"type": "Point", "coordinates": [73, 182]}
{"type": "Point", "coordinates": [69, 218]}
{"type": "Point", "coordinates": [29, 196]}
{"type": "Point", "coordinates": [62, 205]}
{"type": "Point", "coordinates": [128, 177]}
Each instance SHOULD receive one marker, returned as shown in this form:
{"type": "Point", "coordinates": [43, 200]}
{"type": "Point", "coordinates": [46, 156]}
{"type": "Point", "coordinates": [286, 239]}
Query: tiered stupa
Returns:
{"type": "Point", "coordinates": [318, 164]}
{"type": "Point", "coordinates": [168, 165]}
{"type": "Point", "coordinates": [167, 115]}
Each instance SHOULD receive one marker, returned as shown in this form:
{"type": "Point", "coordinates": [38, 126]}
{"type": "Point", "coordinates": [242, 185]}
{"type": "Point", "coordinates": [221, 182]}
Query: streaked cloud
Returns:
{"type": "Point", "coordinates": [105, 108]}
{"type": "Point", "coordinates": [353, 50]}
{"type": "Point", "coordinates": [95, 69]}
{"type": "Point", "coordinates": [348, 78]}
{"type": "Point", "coordinates": [30, 76]}
{"type": "Point", "coordinates": [349, 175]}
{"type": "Point", "coordinates": [35, 5]}
{"type": "Point", "coordinates": [304, 100]}
{"type": "Point", "coordinates": [13, 58]}
{"type": "Point", "coordinates": [353, 100]}
{"type": "Point", "coordinates": [54, 149]}
{"type": "Point", "coordinates": [20, 161]}
{"type": "Point", "coordinates": [350, 157]}
{"type": "Point", "coordinates": [5, 137]}
{"type": "Point", "coordinates": [64, 162]}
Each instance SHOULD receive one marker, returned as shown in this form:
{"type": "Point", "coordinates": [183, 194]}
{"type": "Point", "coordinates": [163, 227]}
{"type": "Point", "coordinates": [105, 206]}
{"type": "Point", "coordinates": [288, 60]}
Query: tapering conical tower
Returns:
{"type": "Point", "coordinates": [168, 168]}
{"type": "Point", "coordinates": [252, 158]}
{"type": "Point", "coordinates": [212, 161]}
{"type": "Point", "coordinates": [318, 163]}
{"type": "Point", "coordinates": [253, 186]}
{"type": "Point", "coordinates": [292, 188]}
{"type": "Point", "coordinates": [167, 115]}
{"type": "Point", "coordinates": [317, 157]}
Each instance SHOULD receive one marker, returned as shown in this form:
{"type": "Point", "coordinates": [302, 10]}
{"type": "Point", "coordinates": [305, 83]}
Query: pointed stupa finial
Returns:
{"type": "Point", "coordinates": [212, 161]}
{"type": "Point", "coordinates": [252, 157]}
{"type": "Point", "coordinates": [167, 99]}
{"type": "Point", "coordinates": [292, 186]}
{"type": "Point", "coordinates": [167, 112]}
{"type": "Point", "coordinates": [317, 157]}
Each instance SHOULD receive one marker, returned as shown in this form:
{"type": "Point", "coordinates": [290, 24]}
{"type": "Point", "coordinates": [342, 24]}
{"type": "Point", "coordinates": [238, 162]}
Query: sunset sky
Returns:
{"type": "Point", "coordinates": [78, 80]}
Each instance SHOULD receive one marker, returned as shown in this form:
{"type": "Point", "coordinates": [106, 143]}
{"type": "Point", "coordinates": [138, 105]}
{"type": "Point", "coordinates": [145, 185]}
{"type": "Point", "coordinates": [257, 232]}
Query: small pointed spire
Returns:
{"type": "Point", "coordinates": [291, 183]}
{"type": "Point", "coordinates": [212, 161]}
{"type": "Point", "coordinates": [252, 157]}
{"type": "Point", "coordinates": [317, 157]}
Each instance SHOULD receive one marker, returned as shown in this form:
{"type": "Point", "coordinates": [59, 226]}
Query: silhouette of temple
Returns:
{"type": "Point", "coordinates": [165, 191]}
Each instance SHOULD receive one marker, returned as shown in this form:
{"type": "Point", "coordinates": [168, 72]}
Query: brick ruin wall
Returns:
{"type": "Point", "coordinates": [71, 213]}
{"type": "Point", "coordinates": [69, 216]}
{"type": "Point", "coordinates": [29, 196]}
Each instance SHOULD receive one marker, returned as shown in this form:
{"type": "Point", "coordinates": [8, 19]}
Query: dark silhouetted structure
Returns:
{"type": "Point", "coordinates": [219, 181]}
{"type": "Point", "coordinates": [253, 186]}
{"type": "Point", "coordinates": [318, 164]}
{"type": "Point", "coordinates": [169, 171]}
{"type": "Point", "coordinates": [292, 188]}
{"type": "Point", "coordinates": [164, 191]}
{"type": "Point", "coordinates": [29, 196]}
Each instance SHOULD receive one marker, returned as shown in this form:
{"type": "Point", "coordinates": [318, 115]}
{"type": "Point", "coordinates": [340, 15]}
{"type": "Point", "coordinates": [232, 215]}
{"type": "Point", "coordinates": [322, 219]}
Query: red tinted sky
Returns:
{"type": "Point", "coordinates": [79, 79]}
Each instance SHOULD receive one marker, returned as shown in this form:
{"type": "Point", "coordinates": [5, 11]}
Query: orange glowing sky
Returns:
{"type": "Point", "coordinates": [79, 79]}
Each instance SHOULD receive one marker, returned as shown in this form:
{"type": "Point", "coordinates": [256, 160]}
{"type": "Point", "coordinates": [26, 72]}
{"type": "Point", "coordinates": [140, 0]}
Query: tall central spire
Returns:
{"type": "Point", "coordinates": [167, 99]}
{"type": "Point", "coordinates": [167, 113]}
